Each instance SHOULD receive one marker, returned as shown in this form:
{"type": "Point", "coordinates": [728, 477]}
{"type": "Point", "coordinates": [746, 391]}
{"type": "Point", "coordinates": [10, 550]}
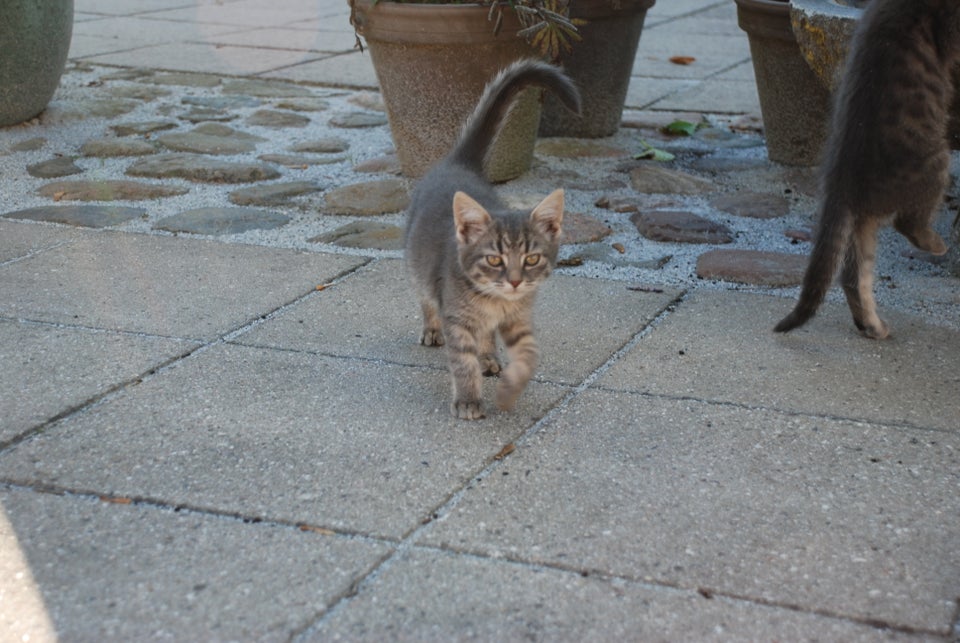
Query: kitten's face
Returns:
{"type": "Point", "coordinates": [508, 256]}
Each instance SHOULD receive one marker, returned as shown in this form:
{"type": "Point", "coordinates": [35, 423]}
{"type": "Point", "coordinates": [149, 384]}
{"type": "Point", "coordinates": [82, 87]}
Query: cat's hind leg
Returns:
{"type": "Point", "coordinates": [857, 278]}
{"type": "Point", "coordinates": [916, 227]}
{"type": "Point", "coordinates": [921, 204]}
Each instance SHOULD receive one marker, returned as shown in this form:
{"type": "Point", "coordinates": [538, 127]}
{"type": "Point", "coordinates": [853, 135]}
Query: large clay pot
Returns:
{"type": "Point", "coordinates": [600, 65]}
{"type": "Point", "coordinates": [432, 62]}
{"type": "Point", "coordinates": [34, 41]}
{"type": "Point", "coordinates": [794, 103]}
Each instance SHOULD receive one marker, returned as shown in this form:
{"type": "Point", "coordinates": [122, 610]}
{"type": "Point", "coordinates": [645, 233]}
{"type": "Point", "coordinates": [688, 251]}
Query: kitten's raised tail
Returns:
{"type": "Point", "coordinates": [481, 128]}
{"type": "Point", "coordinates": [829, 248]}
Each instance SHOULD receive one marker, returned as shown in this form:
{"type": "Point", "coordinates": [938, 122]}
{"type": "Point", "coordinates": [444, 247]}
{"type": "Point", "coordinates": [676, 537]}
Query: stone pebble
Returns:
{"type": "Point", "coordinates": [107, 190]}
{"type": "Point", "coordinates": [201, 168]}
{"type": "Point", "coordinates": [674, 226]}
{"type": "Point", "coordinates": [653, 193]}
{"type": "Point", "coordinates": [755, 267]}
{"type": "Point", "coordinates": [85, 216]}
{"type": "Point", "coordinates": [221, 221]}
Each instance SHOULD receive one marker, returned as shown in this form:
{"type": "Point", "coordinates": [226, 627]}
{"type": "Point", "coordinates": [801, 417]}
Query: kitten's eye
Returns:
{"type": "Point", "coordinates": [495, 260]}
{"type": "Point", "coordinates": [531, 260]}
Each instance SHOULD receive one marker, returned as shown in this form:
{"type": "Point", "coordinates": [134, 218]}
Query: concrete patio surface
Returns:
{"type": "Point", "coordinates": [238, 438]}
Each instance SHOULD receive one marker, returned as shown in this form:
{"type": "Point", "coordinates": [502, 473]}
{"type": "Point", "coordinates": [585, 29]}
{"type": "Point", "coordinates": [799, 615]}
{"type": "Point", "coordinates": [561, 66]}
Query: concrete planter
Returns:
{"type": "Point", "coordinates": [432, 63]}
{"type": "Point", "coordinates": [824, 28]}
{"type": "Point", "coordinates": [794, 103]}
{"type": "Point", "coordinates": [600, 65]}
{"type": "Point", "coordinates": [34, 41]}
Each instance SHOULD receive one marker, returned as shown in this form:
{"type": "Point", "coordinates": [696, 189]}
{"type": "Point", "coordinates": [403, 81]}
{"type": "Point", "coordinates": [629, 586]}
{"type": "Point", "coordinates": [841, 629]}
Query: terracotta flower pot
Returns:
{"type": "Point", "coordinates": [600, 65]}
{"type": "Point", "coordinates": [34, 41]}
{"type": "Point", "coordinates": [794, 103]}
{"type": "Point", "coordinates": [432, 63]}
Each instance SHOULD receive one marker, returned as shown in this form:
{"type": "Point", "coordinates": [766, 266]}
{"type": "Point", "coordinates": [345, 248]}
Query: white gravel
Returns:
{"type": "Point", "coordinates": [908, 284]}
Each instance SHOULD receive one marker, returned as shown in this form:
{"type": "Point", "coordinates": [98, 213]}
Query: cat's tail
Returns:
{"type": "Point", "coordinates": [833, 236]}
{"type": "Point", "coordinates": [481, 128]}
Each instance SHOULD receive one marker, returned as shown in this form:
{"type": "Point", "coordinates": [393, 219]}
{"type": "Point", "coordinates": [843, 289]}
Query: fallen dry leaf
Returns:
{"type": "Point", "coordinates": [682, 60]}
{"type": "Point", "coordinates": [505, 451]}
{"type": "Point", "coordinates": [317, 530]}
{"type": "Point", "coordinates": [117, 500]}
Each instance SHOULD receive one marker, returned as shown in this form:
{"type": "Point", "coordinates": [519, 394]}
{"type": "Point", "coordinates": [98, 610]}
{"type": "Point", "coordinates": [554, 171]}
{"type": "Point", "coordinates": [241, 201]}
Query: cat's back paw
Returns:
{"type": "Point", "coordinates": [877, 329]}
{"type": "Point", "coordinates": [923, 238]}
{"type": "Point", "coordinates": [467, 409]}
{"type": "Point", "coordinates": [931, 242]}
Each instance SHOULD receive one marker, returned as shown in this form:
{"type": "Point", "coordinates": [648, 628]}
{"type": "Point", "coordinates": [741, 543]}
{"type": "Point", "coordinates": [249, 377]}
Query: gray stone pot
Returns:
{"type": "Point", "coordinates": [823, 29]}
{"type": "Point", "coordinates": [794, 103]}
{"type": "Point", "coordinates": [600, 65]}
{"type": "Point", "coordinates": [34, 41]}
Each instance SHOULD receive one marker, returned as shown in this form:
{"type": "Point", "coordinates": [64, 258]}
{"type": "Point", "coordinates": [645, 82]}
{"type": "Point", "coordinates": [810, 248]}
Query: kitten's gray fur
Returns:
{"type": "Point", "coordinates": [476, 264]}
{"type": "Point", "coordinates": [887, 153]}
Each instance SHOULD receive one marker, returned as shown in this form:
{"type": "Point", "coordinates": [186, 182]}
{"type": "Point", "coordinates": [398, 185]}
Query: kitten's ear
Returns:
{"type": "Point", "coordinates": [548, 215]}
{"type": "Point", "coordinates": [471, 218]}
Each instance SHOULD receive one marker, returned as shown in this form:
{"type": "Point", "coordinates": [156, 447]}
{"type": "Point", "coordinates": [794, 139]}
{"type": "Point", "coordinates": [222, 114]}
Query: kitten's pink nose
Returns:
{"type": "Point", "coordinates": [515, 284]}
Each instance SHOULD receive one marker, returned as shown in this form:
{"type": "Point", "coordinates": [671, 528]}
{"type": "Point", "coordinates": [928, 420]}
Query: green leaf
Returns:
{"type": "Point", "coordinates": [681, 128]}
{"type": "Point", "coordinates": [653, 154]}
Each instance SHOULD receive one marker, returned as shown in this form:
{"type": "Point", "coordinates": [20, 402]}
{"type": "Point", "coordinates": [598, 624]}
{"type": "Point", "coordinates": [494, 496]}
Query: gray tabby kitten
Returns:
{"type": "Point", "coordinates": [476, 264]}
{"type": "Point", "coordinates": [887, 153]}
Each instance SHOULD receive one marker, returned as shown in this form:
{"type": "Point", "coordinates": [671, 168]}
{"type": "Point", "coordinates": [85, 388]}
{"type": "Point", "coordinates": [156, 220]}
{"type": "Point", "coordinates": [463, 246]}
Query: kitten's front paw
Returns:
{"type": "Point", "coordinates": [467, 409]}
{"type": "Point", "coordinates": [489, 364]}
{"type": "Point", "coordinates": [431, 337]}
{"type": "Point", "coordinates": [507, 395]}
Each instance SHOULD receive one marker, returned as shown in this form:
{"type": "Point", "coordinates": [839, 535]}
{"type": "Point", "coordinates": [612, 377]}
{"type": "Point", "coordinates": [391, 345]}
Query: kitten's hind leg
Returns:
{"type": "Point", "coordinates": [916, 227]}
{"type": "Point", "coordinates": [432, 334]}
{"type": "Point", "coordinates": [488, 355]}
{"type": "Point", "coordinates": [857, 279]}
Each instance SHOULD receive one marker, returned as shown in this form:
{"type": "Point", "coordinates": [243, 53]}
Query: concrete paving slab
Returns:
{"type": "Point", "coordinates": [817, 515]}
{"type": "Point", "coordinates": [136, 31]}
{"type": "Point", "coordinates": [203, 58]}
{"type": "Point", "coordinates": [97, 571]}
{"type": "Point", "coordinates": [244, 13]}
{"type": "Point", "coordinates": [289, 38]}
{"type": "Point", "coordinates": [677, 8]}
{"type": "Point", "coordinates": [644, 91]}
{"type": "Point", "coordinates": [127, 8]}
{"type": "Point", "coordinates": [20, 240]}
{"type": "Point", "coordinates": [166, 286]}
{"type": "Point", "coordinates": [346, 444]}
{"type": "Point", "coordinates": [716, 95]}
{"type": "Point", "coordinates": [435, 596]}
{"type": "Point", "coordinates": [83, 46]}
{"type": "Point", "coordinates": [711, 53]}
{"type": "Point", "coordinates": [721, 19]}
{"type": "Point", "coordinates": [375, 315]}
{"type": "Point", "coordinates": [49, 370]}
{"type": "Point", "coordinates": [721, 347]}
{"type": "Point", "coordinates": [343, 70]}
